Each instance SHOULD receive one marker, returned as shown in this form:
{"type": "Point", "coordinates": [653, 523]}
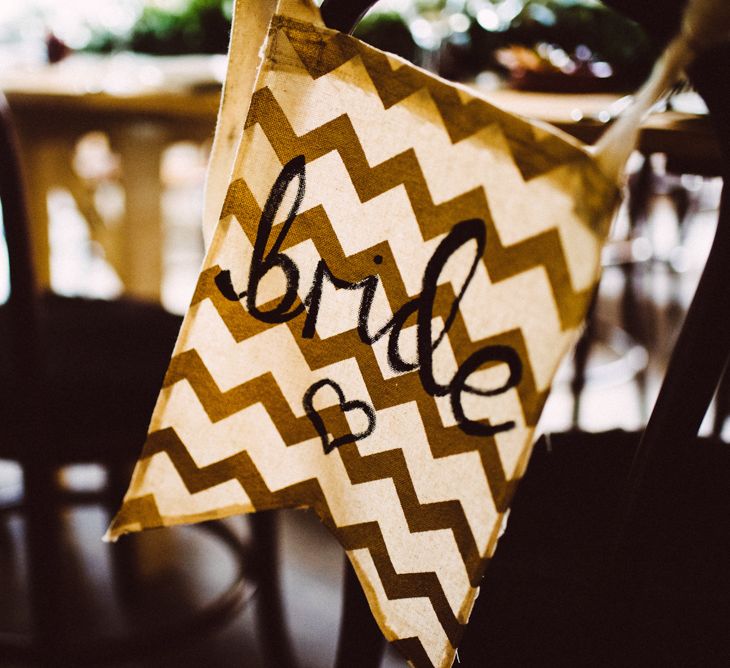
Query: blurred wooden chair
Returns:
{"type": "Point", "coordinates": [79, 381]}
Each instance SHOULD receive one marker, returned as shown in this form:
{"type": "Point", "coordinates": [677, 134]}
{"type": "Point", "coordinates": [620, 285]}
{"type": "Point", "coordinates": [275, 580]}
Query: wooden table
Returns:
{"type": "Point", "coordinates": [687, 138]}
{"type": "Point", "coordinates": [145, 103]}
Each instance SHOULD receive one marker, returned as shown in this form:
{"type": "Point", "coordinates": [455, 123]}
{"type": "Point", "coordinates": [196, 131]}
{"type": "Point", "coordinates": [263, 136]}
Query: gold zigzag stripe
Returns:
{"type": "Point", "coordinates": [367, 535]}
{"type": "Point", "coordinates": [386, 393]}
{"type": "Point", "coordinates": [413, 651]}
{"type": "Point", "coordinates": [315, 225]}
{"type": "Point", "coordinates": [502, 262]}
{"type": "Point", "coordinates": [360, 469]}
{"type": "Point", "coordinates": [322, 51]}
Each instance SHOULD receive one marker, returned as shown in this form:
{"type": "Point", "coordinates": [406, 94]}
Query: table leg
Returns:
{"type": "Point", "coordinates": [46, 159]}
{"type": "Point", "coordinates": [140, 147]}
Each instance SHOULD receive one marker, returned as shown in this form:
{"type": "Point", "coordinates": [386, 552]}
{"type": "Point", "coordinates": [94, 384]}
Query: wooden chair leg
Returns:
{"type": "Point", "coordinates": [634, 316]}
{"type": "Point", "coordinates": [44, 548]}
{"type": "Point", "coordinates": [361, 644]}
{"type": "Point", "coordinates": [722, 404]}
{"type": "Point", "coordinates": [580, 362]}
{"type": "Point", "coordinates": [124, 557]}
{"type": "Point", "coordinates": [264, 568]}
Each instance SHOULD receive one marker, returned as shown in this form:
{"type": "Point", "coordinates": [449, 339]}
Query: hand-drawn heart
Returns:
{"type": "Point", "coordinates": [345, 406]}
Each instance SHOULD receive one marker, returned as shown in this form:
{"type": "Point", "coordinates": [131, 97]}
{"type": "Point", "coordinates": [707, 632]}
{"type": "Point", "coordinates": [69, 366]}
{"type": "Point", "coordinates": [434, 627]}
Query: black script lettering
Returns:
{"type": "Point", "coordinates": [368, 285]}
{"type": "Point", "coordinates": [262, 262]}
{"type": "Point", "coordinates": [394, 325]}
{"type": "Point", "coordinates": [471, 231]}
{"type": "Point", "coordinates": [458, 387]}
{"type": "Point", "coordinates": [345, 407]}
{"type": "Point", "coordinates": [396, 361]}
{"type": "Point", "coordinates": [461, 234]}
{"type": "Point", "coordinates": [225, 285]}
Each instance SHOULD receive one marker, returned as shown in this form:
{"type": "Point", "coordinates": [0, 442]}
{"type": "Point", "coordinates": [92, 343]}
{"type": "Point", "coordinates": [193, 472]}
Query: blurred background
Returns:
{"type": "Point", "coordinates": [116, 100]}
{"type": "Point", "coordinates": [115, 103]}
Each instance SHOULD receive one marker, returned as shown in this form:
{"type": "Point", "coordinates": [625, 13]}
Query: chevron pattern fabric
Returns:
{"type": "Point", "coordinates": [397, 271]}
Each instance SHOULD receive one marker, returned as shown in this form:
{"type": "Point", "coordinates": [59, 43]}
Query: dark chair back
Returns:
{"type": "Point", "coordinates": [21, 304]}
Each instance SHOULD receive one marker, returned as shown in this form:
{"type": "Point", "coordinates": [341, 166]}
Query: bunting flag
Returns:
{"type": "Point", "coordinates": [398, 269]}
